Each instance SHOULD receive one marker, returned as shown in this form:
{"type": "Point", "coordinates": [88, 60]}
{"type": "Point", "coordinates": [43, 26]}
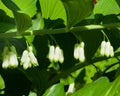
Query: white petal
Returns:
{"type": "Point", "coordinates": [51, 53]}
{"type": "Point", "coordinates": [33, 59]}
{"type": "Point", "coordinates": [76, 51]}
{"type": "Point", "coordinates": [107, 49]}
{"type": "Point", "coordinates": [61, 57]}
{"type": "Point", "coordinates": [103, 48]}
{"type": "Point", "coordinates": [5, 63]}
{"type": "Point", "coordinates": [56, 55]}
{"type": "Point", "coordinates": [13, 62]}
{"type": "Point", "coordinates": [111, 51]}
{"type": "Point", "coordinates": [81, 55]}
{"type": "Point", "coordinates": [27, 64]}
{"type": "Point", "coordinates": [24, 56]}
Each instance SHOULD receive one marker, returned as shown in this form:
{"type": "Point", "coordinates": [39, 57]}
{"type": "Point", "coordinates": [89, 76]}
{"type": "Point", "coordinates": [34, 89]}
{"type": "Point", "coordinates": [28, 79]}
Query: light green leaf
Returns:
{"type": "Point", "coordinates": [107, 7]}
{"type": "Point", "coordinates": [77, 10]}
{"type": "Point", "coordinates": [2, 83]}
{"type": "Point", "coordinates": [28, 7]}
{"type": "Point", "coordinates": [53, 9]}
{"type": "Point", "coordinates": [22, 20]}
{"type": "Point", "coordinates": [93, 89]}
{"type": "Point", "coordinates": [114, 89]}
{"type": "Point", "coordinates": [55, 90]}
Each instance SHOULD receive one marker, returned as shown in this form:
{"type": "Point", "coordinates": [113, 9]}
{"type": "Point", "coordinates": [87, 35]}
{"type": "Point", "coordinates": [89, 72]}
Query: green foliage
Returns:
{"type": "Point", "coordinates": [39, 24]}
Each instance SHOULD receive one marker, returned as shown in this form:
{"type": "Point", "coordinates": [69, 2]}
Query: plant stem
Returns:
{"type": "Point", "coordinates": [60, 30]}
{"type": "Point", "coordinates": [78, 66]}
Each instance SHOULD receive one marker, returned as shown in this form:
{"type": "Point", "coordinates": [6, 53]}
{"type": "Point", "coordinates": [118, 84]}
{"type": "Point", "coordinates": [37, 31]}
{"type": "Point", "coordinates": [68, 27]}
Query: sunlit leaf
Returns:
{"type": "Point", "coordinates": [114, 89]}
{"type": "Point", "coordinates": [93, 89]}
{"type": "Point", "coordinates": [106, 7]}
{"type": "Point", "coordinates": [23, 21]}
{"type": "Point", "coordinates": [52, 9]}
{"type": "Point", "coordinates": [55, 90]}
{"type": "Point", "coordinates": [28, 7]}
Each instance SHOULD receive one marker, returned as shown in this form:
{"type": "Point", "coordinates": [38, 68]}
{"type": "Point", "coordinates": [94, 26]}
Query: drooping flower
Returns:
{"type": "Point", "coordinates": [79, 52]}
{"type": "Point", "coordinates": [106, 49]}
{"type": "Point", "coordinates": [28, 58]}
{"type": "Point", "coordinates": [9, 57]}
{"type": "Point", "coordinates": [55, 54]}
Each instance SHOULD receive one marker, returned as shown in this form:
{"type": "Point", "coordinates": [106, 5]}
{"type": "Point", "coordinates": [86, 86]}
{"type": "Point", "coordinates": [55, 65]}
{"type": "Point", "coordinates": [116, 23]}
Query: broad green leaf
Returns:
{"type": "Point", "coordinates": [11, 5]}
{"type": "Point", "coordinates": [28, 7]}
{"type": "Point", "coordinates": [2, 83]}
{"type": "Point", "coordinates": [77, 10]}
{"type": "Point", "coordinates": [7, 11]}
{"type": "Point", "coordinates": [55, 90]}
{"type": "Point", "coordinates": [107, 7]}
{"type": "Point", "coordinates": [93, 89]}
{"type": "Point", "coordinates": [6, 23]}
{"type": "Point", "coordinates": [23, 21]}
{"type": "Point", "coordinates": [53, 9]}
{"type": "Point", "coordinates": [114, 89]}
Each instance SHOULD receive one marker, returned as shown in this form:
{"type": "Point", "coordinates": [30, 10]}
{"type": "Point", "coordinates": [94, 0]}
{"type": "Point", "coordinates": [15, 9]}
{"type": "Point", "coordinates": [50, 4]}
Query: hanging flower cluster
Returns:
{"type": "Point", "coordinates": [9, 57]}
{"type": "Point", "coordinates": [28, 59]}
{"type": "Point", "coordinates": [106, 49]}
{"type": "Point", "coordinates": [79, 52]}
{"type": "Point", "coordinates": [55, 54]}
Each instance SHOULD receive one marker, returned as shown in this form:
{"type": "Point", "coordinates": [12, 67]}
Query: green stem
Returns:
{"type": "Point", "coordinates": [75, 68]}
{"type": "Point", "coordinates": [60, 30]}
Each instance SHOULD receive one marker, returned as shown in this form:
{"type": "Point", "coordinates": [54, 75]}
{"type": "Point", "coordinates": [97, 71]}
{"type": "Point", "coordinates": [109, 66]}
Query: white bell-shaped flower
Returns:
{"type": "Point", "coordinates": [106, 49]}
{"type": "Point", "coordinates": [9, 57]}
{"type": "Point", "coordinates": [13, 62]}
{"type": "Point", "coordinates": [79, 52]}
